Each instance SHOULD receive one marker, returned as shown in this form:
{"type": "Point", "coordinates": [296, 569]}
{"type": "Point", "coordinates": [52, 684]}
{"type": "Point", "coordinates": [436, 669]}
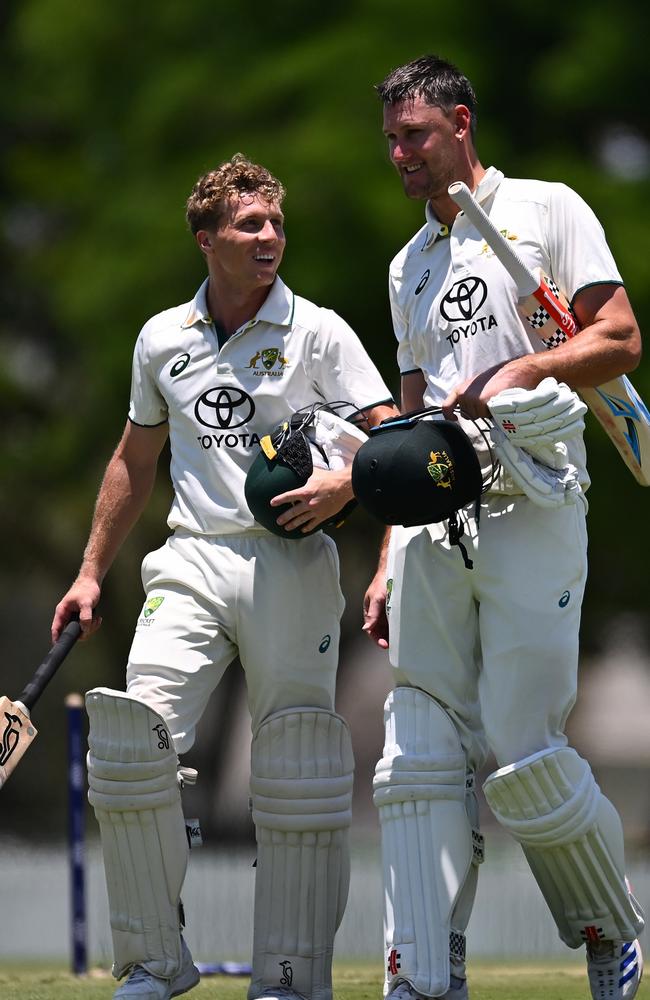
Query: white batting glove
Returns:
{"type": "Point", "coordinates": [531, 418]}
{"type": "Point", "coordinates": [544, 485]}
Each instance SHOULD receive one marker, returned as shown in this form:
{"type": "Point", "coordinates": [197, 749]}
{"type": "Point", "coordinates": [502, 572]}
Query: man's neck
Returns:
{"type": "Point", "coordinates": [443, 207]}
{"type": "Point", "coordinates": [230, 307]}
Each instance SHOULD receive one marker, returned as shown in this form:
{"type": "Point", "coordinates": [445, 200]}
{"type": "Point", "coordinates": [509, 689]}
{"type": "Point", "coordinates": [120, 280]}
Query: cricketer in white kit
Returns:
{"type": "Point", "coordinates": [486, 659]}
{"type": "Point", "coordinates": [215, 375]}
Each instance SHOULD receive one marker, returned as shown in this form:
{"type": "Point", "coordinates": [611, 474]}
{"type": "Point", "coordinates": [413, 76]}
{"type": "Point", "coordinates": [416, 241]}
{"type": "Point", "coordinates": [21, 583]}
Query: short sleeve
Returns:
{"type": "Point", "coordinates": [405, 361]}
{"type": "Point", "coordinates": [147, 407]}
{"type": "Point", "coordinates": [578, 249]}
{"type": "Point", "coordinates": [342, 368]}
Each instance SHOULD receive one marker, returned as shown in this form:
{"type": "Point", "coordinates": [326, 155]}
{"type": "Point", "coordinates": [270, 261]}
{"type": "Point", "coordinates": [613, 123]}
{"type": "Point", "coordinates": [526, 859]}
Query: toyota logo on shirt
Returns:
{"type": "Point", "coordinates": [224, 407]}
{"type": "Point", "coordinates": [464, 299]}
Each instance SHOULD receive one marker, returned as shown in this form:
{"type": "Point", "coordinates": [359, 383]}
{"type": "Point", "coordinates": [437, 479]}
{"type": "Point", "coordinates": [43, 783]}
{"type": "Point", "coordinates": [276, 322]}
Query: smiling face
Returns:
{"type": "Point", "coordinates": [246, 248]}
{"type": "Point", "coordinates": [425, 144]}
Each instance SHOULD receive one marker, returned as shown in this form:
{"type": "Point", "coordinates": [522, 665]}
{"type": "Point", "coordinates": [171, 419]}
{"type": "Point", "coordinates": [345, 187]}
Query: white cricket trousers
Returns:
{"type": "Point", "coordinates": [496, 645]}
{"type": "Point", "coordinates": [275, 602]}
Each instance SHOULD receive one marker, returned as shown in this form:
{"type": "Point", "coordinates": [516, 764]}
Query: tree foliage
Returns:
{"type": "Point", "coordinates": [111, 111]}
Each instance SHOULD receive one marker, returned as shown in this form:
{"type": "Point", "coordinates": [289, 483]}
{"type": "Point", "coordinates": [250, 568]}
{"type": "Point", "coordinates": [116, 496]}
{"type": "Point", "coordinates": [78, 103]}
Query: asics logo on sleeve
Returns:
{"type": "Point", "coordinates": [422, 282]}
{"type": "Point", "coordinates": [179, 365]}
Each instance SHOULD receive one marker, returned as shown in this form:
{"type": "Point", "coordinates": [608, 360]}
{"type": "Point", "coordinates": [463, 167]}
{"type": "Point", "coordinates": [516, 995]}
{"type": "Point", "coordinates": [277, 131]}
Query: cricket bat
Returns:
{"type": "Point", "coordinates": [616, 404]}
{"type": "Point", "coordinates": [17, 731]}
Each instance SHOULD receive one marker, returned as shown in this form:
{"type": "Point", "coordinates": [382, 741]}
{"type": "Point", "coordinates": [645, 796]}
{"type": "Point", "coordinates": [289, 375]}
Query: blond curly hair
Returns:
{"type": "Point", "coordinates": [237, 176]}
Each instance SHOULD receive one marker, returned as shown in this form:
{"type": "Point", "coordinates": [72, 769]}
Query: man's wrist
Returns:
{"type": "Point", "coordinates": [90, 573]}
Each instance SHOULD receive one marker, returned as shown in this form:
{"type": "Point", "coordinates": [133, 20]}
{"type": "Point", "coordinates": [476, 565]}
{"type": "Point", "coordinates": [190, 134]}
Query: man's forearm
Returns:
{"type": "Point", "coordinates": [383, 553]}
{"type": "Point", "coordinates": [122, 497]}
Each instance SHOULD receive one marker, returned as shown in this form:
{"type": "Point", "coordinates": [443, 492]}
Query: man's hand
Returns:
{"type": "Point", "coordinates": [471, 397]}
{"type": "Point", "coordinates": [82, 598]}
{"type": "Point", "coordinates": [323, 496]}
{"type": "Point", "coordinates": [375, 621]}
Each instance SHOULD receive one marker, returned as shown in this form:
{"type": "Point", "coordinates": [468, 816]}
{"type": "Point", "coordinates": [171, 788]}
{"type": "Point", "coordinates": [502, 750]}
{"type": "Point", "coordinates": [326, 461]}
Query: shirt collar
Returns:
{"type": "Point", "coordinates": [487, 186]}
{"type": "Point", "coordinates": [278, 305]}
{"type": "Point", "coordinates": [277, 308]}
{"type": "Point", "coordinates": [198, 308]}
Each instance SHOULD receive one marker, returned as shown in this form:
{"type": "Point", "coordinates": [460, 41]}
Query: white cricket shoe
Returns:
{"type": "Point", "coordinates": [614, 969]}
{"type": "Point", "coordinates": [141, 985]}
{"type": "Point", "coordinates": [404, 991]}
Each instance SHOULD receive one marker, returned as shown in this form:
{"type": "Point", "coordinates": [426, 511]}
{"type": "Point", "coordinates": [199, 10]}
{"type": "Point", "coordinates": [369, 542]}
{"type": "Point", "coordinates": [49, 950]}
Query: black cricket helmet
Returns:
{"type": "Point", "coordinates": [413, 470]}
{"type": "Point", "coordinates": [314, 437]}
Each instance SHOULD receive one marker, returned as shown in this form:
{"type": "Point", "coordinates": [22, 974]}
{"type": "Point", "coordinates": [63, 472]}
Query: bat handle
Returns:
{"type": "Point", "coordinates": [51, 664]}
{"type": "Point", "coordinates": [525, 279]}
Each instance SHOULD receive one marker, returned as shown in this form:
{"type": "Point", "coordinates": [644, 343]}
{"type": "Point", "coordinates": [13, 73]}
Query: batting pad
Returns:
{"type": "Point", "coordinates": [301, 787]}
{"type": "Point", "coordinates": [573, 840]}
{"type": "Point", "coordinates": [134, 790]}
{"type": "Point", "coordinates": [421, 793]}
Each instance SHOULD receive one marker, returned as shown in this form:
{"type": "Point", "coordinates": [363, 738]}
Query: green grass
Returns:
{"type": "Point", "coordinates": [352, 981]}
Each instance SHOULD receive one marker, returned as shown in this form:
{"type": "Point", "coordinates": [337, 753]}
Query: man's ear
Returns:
{"type": "Point", "coordinates": [204, 241]}
{"type": "Point", "coordinates": [463, 120]}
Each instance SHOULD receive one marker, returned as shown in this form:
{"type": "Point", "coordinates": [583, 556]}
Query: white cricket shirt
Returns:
{"type": "Point", "coordinates": [219, 402]}
{"type": "Point", "coordinates": [454, 305]}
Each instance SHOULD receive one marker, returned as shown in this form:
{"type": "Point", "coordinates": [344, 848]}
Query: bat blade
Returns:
{"type": "Point", "coordinates": [616, 404]}
{"type": "Point", "coordinates": [17, 735]}
{"type": "Point", "coordinates": [17, 731]}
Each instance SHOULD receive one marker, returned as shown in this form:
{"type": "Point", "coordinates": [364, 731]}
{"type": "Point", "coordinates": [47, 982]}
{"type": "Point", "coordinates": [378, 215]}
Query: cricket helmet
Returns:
{"type": "Point", "coordinates": [414, 470]}
{"type": "Point", "coordinates": [313, 437]}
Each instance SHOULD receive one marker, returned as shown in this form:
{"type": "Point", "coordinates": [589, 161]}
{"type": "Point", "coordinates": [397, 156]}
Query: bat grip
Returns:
{"type": "Point", "coordinates": [51, 664]}
{"type": "Point", "coordinates": [525, 279]}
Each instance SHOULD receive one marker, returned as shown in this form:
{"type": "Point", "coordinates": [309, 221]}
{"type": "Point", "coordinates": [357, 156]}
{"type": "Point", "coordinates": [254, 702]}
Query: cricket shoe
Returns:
{"type": "Point", "coordinates": [141, 985]}
{"type": "Point", "coordinates": [614, 969]}
{"type": "Point", "coordinates": [404, 991]}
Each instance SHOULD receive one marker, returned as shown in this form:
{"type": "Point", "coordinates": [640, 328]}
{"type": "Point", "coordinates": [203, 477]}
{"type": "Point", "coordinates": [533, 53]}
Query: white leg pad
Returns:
{"type": "Point", "coordinates": [573, 840]}
{"type": "Point", "coordinates": [301, 787]}
{"type": "Point", "coordinates": [133, 788]}
{"type": "Point", "coordinates": [429, 847]}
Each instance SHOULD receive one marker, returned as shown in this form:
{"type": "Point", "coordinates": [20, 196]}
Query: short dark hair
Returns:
{"type": "Point", "coordinates": [438, 81]}
{"type": "Point", "coordinates": [237, 177]}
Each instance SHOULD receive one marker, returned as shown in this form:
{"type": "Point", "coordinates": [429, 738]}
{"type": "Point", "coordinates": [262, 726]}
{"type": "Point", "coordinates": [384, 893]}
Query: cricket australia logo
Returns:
{"type": "Point", "coordinates": [10, 737]}
{"type": "Point", "coordinates": [441, 469]}
{"type": "Point", "coordinates": [389, 594]}
{"type": "Point", "coordinates": [150, 607]}
{"type": "Point", "coordinates": [507, 235]}
{"type": "Point", "coordinates": [287, 973]}
{"type": "Point", "coordinates": [272, 361]}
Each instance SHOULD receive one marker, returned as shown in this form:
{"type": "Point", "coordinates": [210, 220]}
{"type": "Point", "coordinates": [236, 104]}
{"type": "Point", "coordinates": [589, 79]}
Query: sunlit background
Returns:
{"type": "Point", "coordinates": [110, 111]}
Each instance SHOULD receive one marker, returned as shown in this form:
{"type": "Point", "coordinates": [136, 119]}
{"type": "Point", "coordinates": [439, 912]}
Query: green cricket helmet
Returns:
{"type": "Point", "coordinates": [314, 437]}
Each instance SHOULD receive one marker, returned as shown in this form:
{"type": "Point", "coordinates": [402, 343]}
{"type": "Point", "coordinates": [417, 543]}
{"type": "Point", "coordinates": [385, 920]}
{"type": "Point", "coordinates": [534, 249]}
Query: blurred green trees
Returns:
{"type": "Point", "coordinates": [111, 110]}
